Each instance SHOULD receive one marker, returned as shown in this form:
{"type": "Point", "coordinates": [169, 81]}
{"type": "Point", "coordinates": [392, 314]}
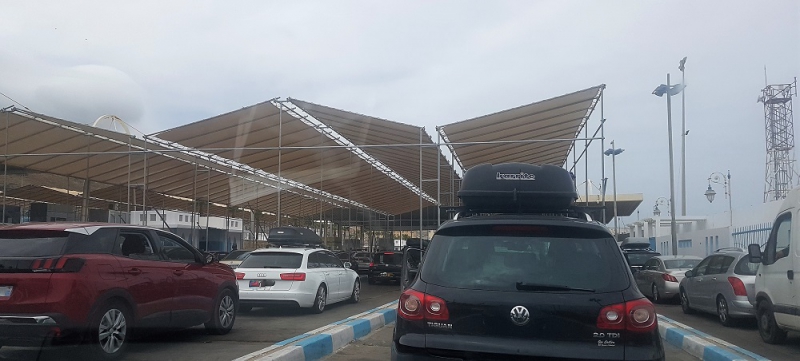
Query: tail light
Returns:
{"type": "Point", "coordinates": [738, 286]}
{"type": "Point", "coordinates": [637, 316]}
{"type": "Point", "coordinates": [415, 306]}
{"type": "Point", "coordinates": [62, 265]}
{"type": "Point", "coordinates": [372, 264]}
{"type": "Point", "coordinates": [668, 277]}
{"type": "Point", "coordinates": [299, 276]}
{"type": "Point", "coordinates": [239, 275]}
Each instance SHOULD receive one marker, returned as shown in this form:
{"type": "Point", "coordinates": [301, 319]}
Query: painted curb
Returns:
{"type": "Point", "coordinates": [326, 340]}
{"type": "Point", "coordinates": [702, 345]}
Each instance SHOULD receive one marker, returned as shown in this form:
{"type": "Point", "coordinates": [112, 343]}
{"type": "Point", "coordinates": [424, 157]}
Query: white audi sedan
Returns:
{"type": "Point", "coordinates": [306, 277]}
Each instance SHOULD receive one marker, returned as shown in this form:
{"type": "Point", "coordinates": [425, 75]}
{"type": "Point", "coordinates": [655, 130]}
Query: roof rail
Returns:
{"type": "Point", "coordinates": [729, 249]}
{"type": "Point", "coordinates": [298, 245]}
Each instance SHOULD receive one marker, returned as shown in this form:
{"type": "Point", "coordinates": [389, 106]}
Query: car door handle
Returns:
{"type": "Point", "coordinates": [714, 278]}
{"type": "Point", "coordinates": [134, 271]}
{"type": "Point", "coordinates": [178, 272]}
{"type": "Point", "coordinates": [790, 274]}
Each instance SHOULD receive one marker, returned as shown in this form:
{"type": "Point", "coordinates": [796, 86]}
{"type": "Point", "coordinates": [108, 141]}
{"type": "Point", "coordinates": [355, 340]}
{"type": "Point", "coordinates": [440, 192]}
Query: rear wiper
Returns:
{"type": "Point", "coordinates": [521, 286]}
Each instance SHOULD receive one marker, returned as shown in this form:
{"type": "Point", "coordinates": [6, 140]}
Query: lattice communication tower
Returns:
{"type": "Point", "coordinates": [779, 125]}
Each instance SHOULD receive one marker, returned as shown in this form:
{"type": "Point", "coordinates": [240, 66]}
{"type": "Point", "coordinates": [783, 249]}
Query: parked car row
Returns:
{"type": "Point", "coordinates": [99, 283]}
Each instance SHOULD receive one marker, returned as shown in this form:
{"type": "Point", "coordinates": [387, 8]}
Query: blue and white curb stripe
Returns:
{"type": "Point", "coordinates": [702, 345]}
{"type": "Point", "coordinates": [326, 340]}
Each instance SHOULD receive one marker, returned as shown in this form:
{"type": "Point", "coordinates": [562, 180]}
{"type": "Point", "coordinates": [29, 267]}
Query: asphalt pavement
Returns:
{"type": "Point", "coordinates": [252, 331]}
{"type": "Point", "coordinates": [744, 335]}
{"type": "Point", "coordinates": [377, 347]}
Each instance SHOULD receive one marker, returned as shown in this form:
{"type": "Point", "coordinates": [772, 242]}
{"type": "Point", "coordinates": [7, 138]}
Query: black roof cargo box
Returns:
{"type": "Point", "coordinates": [293, 236]}
{"type": "Point", "coordinates": [517, 187]}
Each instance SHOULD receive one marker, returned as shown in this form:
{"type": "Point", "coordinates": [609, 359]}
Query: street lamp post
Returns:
{"type": "Point", "coordinates": [661, 201]}
{"type": "Point", "coordinates": [670, 90]}
{"type": "Point", "coordinates": [681, 67]}
{"type": "Point", "coordinates": [725, 180]}
{"type": "Point", "coordinates": [613, 153]}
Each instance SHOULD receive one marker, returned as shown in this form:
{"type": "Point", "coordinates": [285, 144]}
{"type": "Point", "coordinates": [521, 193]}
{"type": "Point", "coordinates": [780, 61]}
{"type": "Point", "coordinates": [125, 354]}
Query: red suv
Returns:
{"type": "Point", "coordinates": [75, 283]}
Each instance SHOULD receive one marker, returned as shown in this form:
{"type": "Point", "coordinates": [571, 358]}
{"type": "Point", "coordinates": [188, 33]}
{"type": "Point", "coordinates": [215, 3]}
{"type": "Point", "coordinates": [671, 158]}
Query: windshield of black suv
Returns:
{"type": "Point", "coordinates": [518, 258]}
{"type": "Point", "coordinates": [273, 260]}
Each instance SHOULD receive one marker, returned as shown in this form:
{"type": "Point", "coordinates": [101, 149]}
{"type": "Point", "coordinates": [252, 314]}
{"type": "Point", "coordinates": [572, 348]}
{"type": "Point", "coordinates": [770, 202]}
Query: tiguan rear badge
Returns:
{"type": "Point", "coordinates": [520, 316]}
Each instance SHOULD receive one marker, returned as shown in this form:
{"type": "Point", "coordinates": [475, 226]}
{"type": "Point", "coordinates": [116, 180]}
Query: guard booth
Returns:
{"type": "Point", "coordinates": [508, 188]}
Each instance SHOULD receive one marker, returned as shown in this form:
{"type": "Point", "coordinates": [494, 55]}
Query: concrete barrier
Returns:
{"type": "Point", "coordinates": [326, 340]}
{"type": "Point", "coordinates": [702, 345]}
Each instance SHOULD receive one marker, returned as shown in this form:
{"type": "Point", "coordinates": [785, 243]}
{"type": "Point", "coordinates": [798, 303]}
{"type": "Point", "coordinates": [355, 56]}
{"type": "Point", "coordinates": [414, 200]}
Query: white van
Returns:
{"type": "Point", "coordinates": [777, 291]}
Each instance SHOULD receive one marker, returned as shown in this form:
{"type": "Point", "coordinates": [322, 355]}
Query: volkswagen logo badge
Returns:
{"type": "Point", "coordinates": [520, 316]}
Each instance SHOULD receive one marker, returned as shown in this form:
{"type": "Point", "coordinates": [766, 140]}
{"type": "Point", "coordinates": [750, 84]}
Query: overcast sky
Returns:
{"type": "Point", "coordinates": [161, 64]}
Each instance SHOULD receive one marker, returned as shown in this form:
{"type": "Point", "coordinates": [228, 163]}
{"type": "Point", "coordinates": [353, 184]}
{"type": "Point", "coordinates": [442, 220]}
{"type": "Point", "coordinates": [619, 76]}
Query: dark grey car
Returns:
{"type": "Point", "coordinates": [722, 283]}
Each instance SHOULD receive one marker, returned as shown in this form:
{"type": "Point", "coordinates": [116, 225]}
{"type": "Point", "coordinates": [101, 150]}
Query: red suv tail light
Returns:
{"type": "Point", "coordinates": [668, 277]}
{"type": "Point", "coordinates": [637, 316]}
{"type": "Point", "coordinates": [738, 286]}
{"type": "Point", "coordinates": [415, 306]}
{"type": "Point", "coordinates": [299, 276]}
{"type": "Point", "coordinates": [62, 264]}
{"type": "Point", "coordinates": [239, 275]}
{"type": "Point", "coordinates": [372, 264]}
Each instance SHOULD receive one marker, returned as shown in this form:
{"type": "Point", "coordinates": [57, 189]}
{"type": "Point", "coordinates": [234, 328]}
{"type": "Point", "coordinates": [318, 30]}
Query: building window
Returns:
{"type": "Point", "coordinates": [685, 243]}
{"type": "Point", "coordinates": [152, 218]}
{"type": "Point", "coordinates": [141, 217]}
{"type": "Point", "coordinates": [180, 218]}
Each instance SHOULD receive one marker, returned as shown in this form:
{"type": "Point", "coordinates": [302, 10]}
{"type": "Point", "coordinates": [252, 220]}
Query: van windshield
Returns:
{"type": "Point", "coordinates": [481, 258]}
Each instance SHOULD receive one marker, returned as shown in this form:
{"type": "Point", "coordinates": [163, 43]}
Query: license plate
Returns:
{"type": "Point", "coordinates": [262, 283]}
{"type": "Point", "coordinates": [390, 275]}
{"type": "Point", "coordinates": [5, 292]}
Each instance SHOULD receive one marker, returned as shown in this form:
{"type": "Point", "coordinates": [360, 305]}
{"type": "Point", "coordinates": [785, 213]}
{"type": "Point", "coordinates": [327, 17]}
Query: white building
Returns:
{"type": "Point", "coordinates": [701, 236]}
{"type": "Point", "coordinates": [221, 232]}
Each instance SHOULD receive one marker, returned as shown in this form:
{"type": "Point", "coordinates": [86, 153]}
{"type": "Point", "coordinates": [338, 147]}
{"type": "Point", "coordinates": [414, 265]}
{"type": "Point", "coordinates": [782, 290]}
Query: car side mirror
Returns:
{"type": "Point", "coordinates": [754, 253]}
{"type": "Point", "coordinates": [689, 274]}
{"type": "Point", "coordinates": [209, 258]}
{"type": "Point", "coordinates": [348, 265]}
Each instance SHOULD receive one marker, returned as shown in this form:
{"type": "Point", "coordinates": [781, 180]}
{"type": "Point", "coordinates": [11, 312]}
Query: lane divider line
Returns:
{"type": "Point", "coordinates": [702, 345]}
{"type": "Point", "coordinates": [325, 340]}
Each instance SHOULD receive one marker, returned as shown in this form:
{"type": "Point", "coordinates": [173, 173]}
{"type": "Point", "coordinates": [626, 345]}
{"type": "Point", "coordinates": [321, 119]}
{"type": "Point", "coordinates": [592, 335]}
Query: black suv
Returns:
{"type": "Point", "coordinates": [518, 281]}
{"type": "Point", "coordinates": [385, 267]}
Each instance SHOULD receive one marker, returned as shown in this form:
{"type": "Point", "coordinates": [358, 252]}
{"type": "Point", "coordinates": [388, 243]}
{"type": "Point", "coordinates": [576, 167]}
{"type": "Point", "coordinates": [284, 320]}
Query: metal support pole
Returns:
{"type": "Point", "coordinates": [683, 141]}
{"type": "Point", "coordinates": [586, 160]}
{"type": "Point", "coordinates": [730, 199]}
{"type": "Point", "coordinates": [5, 172]}
{"type": "Point", "coordinates": [673, 226]}
{"type": "Point", "coordinates": [438, 179]}
{"type": "Point", "coordinates": [208, 205]}
{"type": "Point", "coordinates": [280, 145]}
{"type": "Point", "coordinates": [194, 206]}
{"type": "Point", "coordinates": [602, 156]}
{"type": "Point", "coordinates": [144, 183]}
{"type": "Point", "coordinates": [85, 200]}
{"type": "Point", "coordinates": [420, 183]}
{"type": "Point", "coordinates": [614, 174]}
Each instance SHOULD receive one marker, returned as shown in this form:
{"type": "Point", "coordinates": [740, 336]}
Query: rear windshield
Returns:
{"type": "Point", "coordinates": [235, 255]}
{"type": "Point", "coordinates": [388, 258]}
{"type": "Point", "coordinates": [681, 263]}
{"type": "Point", "coordinates": [273, 260]}
{"type": "Point", "coordinates": [514, 258]}
{"type": "Point", "coordinates": [639, 259]}
{"type": "Point", "coordinates": [27, 243]}
{"type": "Point", "coordinates": [745, 267]}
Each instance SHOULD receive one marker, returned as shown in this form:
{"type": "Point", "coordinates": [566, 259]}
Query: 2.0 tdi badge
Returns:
{"type": "Point", "coordinates": [520, 316]}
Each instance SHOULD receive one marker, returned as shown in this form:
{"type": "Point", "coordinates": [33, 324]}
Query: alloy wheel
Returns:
{"type": "Point", "coordinates": [112, 331]}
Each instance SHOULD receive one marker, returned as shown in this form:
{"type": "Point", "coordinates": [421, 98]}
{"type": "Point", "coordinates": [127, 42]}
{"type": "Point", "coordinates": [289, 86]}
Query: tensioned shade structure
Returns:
{"type": "Point", "coordinates": [391, 143]}
{"type": "Point", "coordinates": [268, 138]}
{"type": "Point", "coordinates": [102, 156]}
{"type": "Point", "coordinates": [553, 123]}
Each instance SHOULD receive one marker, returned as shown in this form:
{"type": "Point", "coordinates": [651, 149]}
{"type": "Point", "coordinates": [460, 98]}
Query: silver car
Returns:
{"type": "Point", "coordinates": [723, 283]}
{"type": "Point", "coordinates": [660, 276]}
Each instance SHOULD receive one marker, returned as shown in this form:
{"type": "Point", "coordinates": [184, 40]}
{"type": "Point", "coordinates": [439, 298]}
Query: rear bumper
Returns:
{"type": "Point", "coordinates": [741, 308]}
{"type": "Point", "coordinates": [266, 298]}
{"type": "Point", "coordinates": [384, 276]}
{"type": "Point", "coordinates": [33, 331]}
{"type": "Point", "coordinates": [671, 290]}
